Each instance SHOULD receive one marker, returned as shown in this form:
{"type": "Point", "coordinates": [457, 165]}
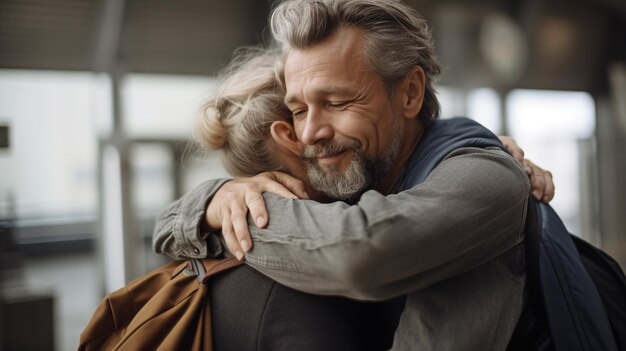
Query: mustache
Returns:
{"type": "Point", "coordinates": [311, 152]}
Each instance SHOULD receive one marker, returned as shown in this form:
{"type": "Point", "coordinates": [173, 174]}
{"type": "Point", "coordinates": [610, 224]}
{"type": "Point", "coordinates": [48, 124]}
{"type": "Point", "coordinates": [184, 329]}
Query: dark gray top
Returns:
{"type": "Point", "coordinates": [252, 312]}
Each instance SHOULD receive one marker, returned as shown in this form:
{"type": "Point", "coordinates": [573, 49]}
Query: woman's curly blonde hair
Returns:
{"type": "Point", "coordinates": [236, 120]}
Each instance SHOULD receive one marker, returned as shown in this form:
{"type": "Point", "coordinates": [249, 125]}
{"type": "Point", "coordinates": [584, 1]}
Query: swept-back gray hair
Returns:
{"type": "Point", "coordinates": [236, 120]}
{"type": "Point", "coordinates": [397, 37]}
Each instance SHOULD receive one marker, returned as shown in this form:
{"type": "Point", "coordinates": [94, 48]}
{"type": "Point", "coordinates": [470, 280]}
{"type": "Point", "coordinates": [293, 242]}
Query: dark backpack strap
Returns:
{"type": "Point", "coordinates": [532, 242]}
{"type": "Point", "coordinates": [532, 332]}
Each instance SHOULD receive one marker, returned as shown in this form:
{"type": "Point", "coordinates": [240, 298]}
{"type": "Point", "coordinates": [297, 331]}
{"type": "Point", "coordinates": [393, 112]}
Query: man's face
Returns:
{"type": "Point", "coordinates": [342, 114]}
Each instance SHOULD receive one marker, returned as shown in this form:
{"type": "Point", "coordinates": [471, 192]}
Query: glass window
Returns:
{"type": "Point", "coordinates": [548, 125]}
{"type": "Point", "coordinates": [49, 174]}
{"type": "Point", "coordinates": [452, 102]}
{"type": "Point", "coordinates": [153, 186]}
{"type": "Point", "coordinates": [483, 105]}
{"type": "Point", "coordinates": [158, 114]}
{"type": "Point", "coordinates": [50, 166]}
{"type": "Point", "coordinates": [163, 106]}
{"type": "Point", "coordinates": [159, 111]}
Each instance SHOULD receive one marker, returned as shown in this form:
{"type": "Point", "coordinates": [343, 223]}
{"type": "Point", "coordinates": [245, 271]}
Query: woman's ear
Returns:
{"type": "Point", "coordinates": [412, 92]}
{"type": "Point", "coordinates": [285, 136]}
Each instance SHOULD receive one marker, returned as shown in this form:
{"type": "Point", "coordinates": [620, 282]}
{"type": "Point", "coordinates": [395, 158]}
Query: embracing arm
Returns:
{"type": "Point", "coordinates": [470, 210]}
{"type": "Point", "coordinates": [182, 229]}
{"type": "Point", "coordinates": [178, 228]}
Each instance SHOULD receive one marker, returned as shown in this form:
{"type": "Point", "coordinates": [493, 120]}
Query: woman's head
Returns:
{"type": "Point", "coordinates": [237, 120]}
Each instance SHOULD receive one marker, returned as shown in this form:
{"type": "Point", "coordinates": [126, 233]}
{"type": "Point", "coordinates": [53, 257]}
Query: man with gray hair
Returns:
{"type": "Point", "coordinates": [358, 76]}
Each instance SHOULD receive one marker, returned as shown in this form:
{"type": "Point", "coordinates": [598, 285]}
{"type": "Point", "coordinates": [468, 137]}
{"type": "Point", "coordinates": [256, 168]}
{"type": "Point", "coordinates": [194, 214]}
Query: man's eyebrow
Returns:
{"type": "Point", "coordinates": [326, 91]}
{"type": "Point", "coordinates": [290, 99]}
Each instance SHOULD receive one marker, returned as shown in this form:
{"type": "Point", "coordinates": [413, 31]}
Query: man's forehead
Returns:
{"type": "Point", "coordinates": [344, 43]}
{"type": "Point", "coordinates": [299, 61]}
{"type": "Point", "coordinates": [326, 66]}
{"type": "Point", "coordinates": [319, 79]}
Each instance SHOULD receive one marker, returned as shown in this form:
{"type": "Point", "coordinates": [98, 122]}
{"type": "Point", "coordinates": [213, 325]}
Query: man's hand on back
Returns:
{"type": "Point", "coordinates": [229, 207]}
{"type": "Point", "coordinates": [541, 183]}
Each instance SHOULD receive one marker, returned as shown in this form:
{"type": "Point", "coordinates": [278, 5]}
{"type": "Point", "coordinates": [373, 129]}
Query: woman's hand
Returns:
{"type": "Point", "coordinates": [229, 207]}
{"type": "Point", "coordinates": [541, 182]}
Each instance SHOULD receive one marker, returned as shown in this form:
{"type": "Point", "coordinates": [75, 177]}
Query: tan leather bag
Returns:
{"type": "Point", "coordinates": [166, 309]}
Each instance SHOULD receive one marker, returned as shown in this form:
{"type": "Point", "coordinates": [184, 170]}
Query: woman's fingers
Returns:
{"type": "Point", "coordinates": [239, 221]}
{"type": "Point", "coordinates": [256, 206]}
{"type": "Point", "coordinates": [541, 182]}
{"type": "Point", "coordinates": [228, 233]}
{"type": "Point", "coordinates": [549, 193]}
{"type": "Point", "coordinates": [231, 204]}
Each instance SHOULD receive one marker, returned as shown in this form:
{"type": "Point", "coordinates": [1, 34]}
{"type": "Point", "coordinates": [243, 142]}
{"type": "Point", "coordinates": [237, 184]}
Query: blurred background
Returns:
{"type": "Point", "coordinates": [98, 99]}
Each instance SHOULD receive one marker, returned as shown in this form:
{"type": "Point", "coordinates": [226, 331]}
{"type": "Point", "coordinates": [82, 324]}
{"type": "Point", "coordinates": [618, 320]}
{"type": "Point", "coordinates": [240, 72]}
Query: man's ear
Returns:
{"type": "Point", "coordinates": [412, 92]}
{"type": "Point", "coordinates": [285, 136]}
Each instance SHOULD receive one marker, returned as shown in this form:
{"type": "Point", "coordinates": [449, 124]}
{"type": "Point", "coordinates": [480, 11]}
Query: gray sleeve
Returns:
{"type": "Point", "coordinates": [470, 210]}
{"type": "Point", "coordinates": [177, 232]}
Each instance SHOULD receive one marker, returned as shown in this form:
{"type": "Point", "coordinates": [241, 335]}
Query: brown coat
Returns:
{"type": "Point", "coordinates": [165, 309]}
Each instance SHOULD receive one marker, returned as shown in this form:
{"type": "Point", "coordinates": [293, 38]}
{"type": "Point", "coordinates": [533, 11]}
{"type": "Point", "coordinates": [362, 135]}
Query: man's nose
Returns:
{"type": "Point", "coordinates": [317, 128]}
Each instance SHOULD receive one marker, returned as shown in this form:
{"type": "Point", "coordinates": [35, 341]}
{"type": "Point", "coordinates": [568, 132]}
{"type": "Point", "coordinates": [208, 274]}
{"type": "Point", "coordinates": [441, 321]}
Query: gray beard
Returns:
{"type": "Point", "coordinates": [363, 173]}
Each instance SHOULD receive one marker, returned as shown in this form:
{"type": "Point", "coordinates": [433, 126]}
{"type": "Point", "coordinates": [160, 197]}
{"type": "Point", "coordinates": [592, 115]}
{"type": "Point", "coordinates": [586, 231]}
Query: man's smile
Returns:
{"type": "Point", "coordinates": [331, 160]}
{"type": "Point", "coordinates": [337, 155]}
